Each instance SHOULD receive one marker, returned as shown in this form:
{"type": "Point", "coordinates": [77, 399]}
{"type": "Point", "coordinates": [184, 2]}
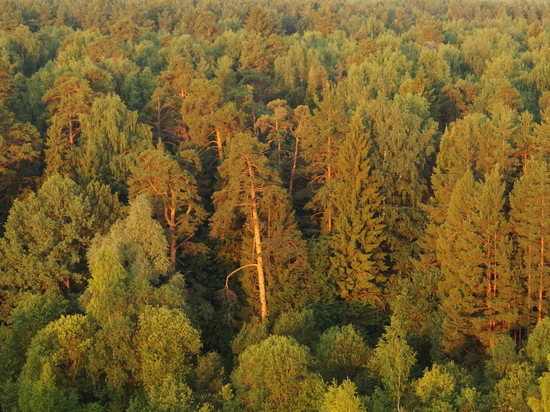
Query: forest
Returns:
{"type": "Point", "coordinates": [274, 205]}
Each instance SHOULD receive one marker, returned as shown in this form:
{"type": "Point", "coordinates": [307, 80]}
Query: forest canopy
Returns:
{"type": "Point", "coordinates": [260, 205]}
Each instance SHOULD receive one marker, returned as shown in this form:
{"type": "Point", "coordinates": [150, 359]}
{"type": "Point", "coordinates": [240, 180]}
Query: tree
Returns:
{"type": "Point", "coordinates": [321, 140]}
{"type": "Point", "coordinates": [208, 119]}
{"type": "Point", "coordinates": [18, 141]}
{"type": "Point", "coordinates": [341, 354]}
{"type": "Point", "coordinates": [68, 100]}
{"type": "Point", "coordinates": [357, 228]}
{"type": "Point", "coordinates": [173, 189]}
{"type": "Point", "coordinates": [252, 197]}
{"type": "Point", "coordinates": [129, 267]}
{"type": "Point", "coordinates": [112, 138]}
{"type": "Point", "coordinates": [538, 344]}
{"type": "Point", "coordinates": [166, 342]}
{"type": "Point", "coordinates": [48, 232]}
{"type": "Point", "coordinates": [393, 359]}
{"type": "Point", "coordinates": [529, 216]}
{"type": "Point", "coordinates": [402, 137]}
{"type": "Point", "coordinates": [342, 398]}
{"type": "Point", "coordinates": [283, 126]}
{"type": "Point", "coordinates": [55, 368]}
{"type": "Point", "coordinates": [477, 291]}
{"type": "Point", "coordinates": [275, 373]}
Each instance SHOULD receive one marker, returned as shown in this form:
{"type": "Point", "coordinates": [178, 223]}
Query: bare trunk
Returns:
{"type": "Point", "coordinates": [219, 144]}
{"type": "Point", "coordinates": [173, 248]}
{"type": "Point", "coordinates": [170, 216]}
{"type": "Point", "coordinates": [294, 163]}
{"type": "Point", "coordinates": [541, 268]}
{"type": "Point", "coordinates": [258, 248]}
{"type": "Point", "coordinates": [529, 286]}
{"type": "Point", "coordinates": [541, 280]}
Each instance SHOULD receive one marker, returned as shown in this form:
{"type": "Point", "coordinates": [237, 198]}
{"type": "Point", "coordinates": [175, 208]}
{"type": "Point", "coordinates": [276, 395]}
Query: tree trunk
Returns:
{"type": "Point", "coordinates": [541, 267]}
{"type": "Point", "coordinates": [258, 247]}
{"type": "Point", "coordinates": [294, 164]}
{"type": "Point", "coordinates": [219, 145]}
{"type": "Point", "coordinates": [541, 280]}
{"type": "Point", "coordinates": [173, 248]}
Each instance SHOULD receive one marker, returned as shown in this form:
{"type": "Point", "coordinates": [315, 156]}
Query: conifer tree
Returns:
{"type": "Point", "coordinates": [209, 120]}
{"type": "Point", "coordinates": [68, 100]}
{"type": "Point", "coordinates": [173, 189]}
{"type": "Point", "coordinates": [286, 129]}
{"type": "Point", "coordinates": [252, 198]}
{"type": "Point", "coordinates": [529, 217]}
{"type": "Point", "coordinates": [402, 137]}
{"type": "Point", "coordinates": [321, 141]}
{"type": "Point", "coordinates": [357, 230]}
{"type": "Point", "coordinates": [478, 291]}
{"type": "Point", "coordinates": [18, 141]}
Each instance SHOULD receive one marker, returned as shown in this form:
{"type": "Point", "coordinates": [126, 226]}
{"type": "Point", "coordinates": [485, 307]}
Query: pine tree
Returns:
{"type": "Point", "coordinates": [321, 141]}
{"type": "Point", "coordinates": [252, 197]}
{"type": "Point", "coordinates": [529, 217]}
{"type": "Point", "coordinates": [68, 100]}
{"type": "Point", "coordinates": [209, 120]}
{"type": "Point", "coordinates": [477, 291]}
{"type": "Point", "coordinates": [18, 141]}
{"type": "Point", "coordinates": [173, 189]}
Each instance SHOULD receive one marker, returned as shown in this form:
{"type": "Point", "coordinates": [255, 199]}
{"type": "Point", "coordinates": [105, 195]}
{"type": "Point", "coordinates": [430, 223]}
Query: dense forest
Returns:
{"type": "Point", "coordinates": [283, 205]}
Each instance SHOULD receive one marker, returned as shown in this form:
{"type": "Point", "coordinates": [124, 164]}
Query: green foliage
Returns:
{"type": "Point", "coordinates": [474, 250]}
{"type": "Point", "coordinates": [276, 372]}
{"type": "Point", "coordinates": [538, 344]}
{"type": "Point", "coordinates": [174, 192]}
{"type": "Point", "coordinates": [516, 388]}
{"type": "Point", "coordinates": [541, 404]}
{"type": "Point", "coordinates": [252, 198]}
{"type": "Point", "coordinates": [503, 357]}
{"type": "Point", "coordinates": [356, 162]}
{"type": "Point", "coordinates": [436, 389]}
{"type": "Point", "coordinates": [392, 360]}
{"type": "Point", "coordinates": [165, 340]}
{"type": "Point", "coordinates": [47, 233]}
{"type": "Point", "coordinates": [357, 228]}
{"type": "Point", "coordinates": [298, 325]}
{"type": "Point", "coordinates": [33, 312]}
{"type": "Point", "coordinates": [342, 398]}
{"type": "Point", "coordinates": [341, 354]}
{"type": "Point", "coordinates": [251, 333]}
{"type": "Point", "coordinates": [127, 266]}
{"type": "Point", "coordinates": [112, 138]}
{"type": "Point", "coordinates": [55, 363]}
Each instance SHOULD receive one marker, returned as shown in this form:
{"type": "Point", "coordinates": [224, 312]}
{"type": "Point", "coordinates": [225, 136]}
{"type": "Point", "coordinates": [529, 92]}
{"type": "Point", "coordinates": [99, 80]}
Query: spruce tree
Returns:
{"type": "Point", "coordinates": [358, 228]}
